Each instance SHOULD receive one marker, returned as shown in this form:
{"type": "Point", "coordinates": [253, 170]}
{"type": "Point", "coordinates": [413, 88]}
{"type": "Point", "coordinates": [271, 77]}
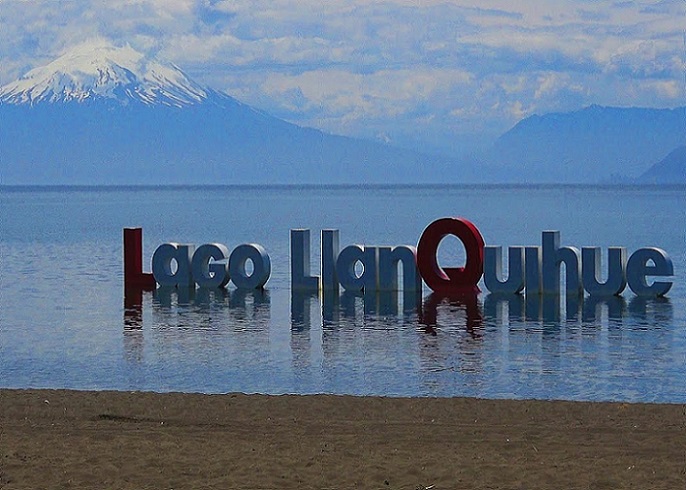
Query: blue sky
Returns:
{"type": "Point", "coordinates": [425, 74]}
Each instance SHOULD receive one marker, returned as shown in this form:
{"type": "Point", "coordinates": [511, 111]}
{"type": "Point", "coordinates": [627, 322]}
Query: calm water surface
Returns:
{"type": "Point", "coordinates": [64, 322]}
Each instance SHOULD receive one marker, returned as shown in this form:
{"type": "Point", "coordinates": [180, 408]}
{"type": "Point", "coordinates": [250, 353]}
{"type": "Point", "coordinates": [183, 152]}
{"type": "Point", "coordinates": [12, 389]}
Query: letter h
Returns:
{"type": "Point", "coordinates": [553, 257]}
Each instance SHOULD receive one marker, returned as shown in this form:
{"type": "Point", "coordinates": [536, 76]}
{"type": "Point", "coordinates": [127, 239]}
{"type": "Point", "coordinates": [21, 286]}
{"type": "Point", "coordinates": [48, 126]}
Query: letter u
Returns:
{"type": "Point", "coordinates": [616, 271]}
{"type": "Point", "coordinates": [493, 270]}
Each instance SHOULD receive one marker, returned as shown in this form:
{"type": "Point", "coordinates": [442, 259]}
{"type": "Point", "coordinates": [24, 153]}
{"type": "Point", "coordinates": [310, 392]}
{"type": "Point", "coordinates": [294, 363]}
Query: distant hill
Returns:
{"type": "Point", "coordinates": [669, 170]}
{"type": "Point", "coordinates": [110, 115]}
{"type": "Point", "coordinates": [595, 144]}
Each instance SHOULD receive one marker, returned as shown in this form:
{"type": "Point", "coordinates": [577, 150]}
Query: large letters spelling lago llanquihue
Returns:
{"type": "Point", "coordinates": [532, 269]}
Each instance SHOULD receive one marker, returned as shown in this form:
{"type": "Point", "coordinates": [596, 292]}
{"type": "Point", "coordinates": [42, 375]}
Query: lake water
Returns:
{"type": "Point", "coordinates": [64, 322]}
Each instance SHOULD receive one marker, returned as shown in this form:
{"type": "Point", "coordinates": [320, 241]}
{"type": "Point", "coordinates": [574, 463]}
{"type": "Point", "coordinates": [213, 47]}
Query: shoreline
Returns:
{"type": "Point", "coordinates": [110, 439]}
{"type": "Point", "coordinates": [115, 391]}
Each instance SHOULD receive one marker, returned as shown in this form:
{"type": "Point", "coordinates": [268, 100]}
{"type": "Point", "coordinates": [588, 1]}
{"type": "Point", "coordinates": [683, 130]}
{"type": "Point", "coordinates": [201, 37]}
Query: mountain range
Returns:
{"type": "Point", "coordinates": [669, 170]}
{"type": "Point", "coordinates": [111, 115]}
{"type": "Point", "coordinates": [594, 144]}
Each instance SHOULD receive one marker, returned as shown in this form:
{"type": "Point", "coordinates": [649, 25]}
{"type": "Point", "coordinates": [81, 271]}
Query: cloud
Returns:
{"type": "Point", "coordinates": [366, 68]}
{"type": "Point", "coordinates": [385, 93]}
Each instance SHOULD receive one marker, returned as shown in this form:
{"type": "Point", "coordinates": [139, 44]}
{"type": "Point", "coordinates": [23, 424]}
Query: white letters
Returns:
{"type": "Point", "coordinates": [388, 268]}
{"type": "Point", "coordinates": [300, 262]}
{"type": "Point", "coordinates": [553, 257]}
{"type": "Point", "coordinates": [616, 271]}
{"type": "Point", "coordinates": [211, 275]}
{"type": "Point", "coordinates": [536, 270]}
{"type": "Point", "coordinates": [330, 244]}
{"type": "Point", "coordinates": [162, 265]}
{"type": "Point", "coordinates": [345, 268]}
{"type": "Point", "coordinates": [493, 270]}
{"type": "Point", "coordinates": [195, 267]}
{"type": "Point", "coordinates": [262, 266]}
{"type": "Point", "coordinates": [638, 269]}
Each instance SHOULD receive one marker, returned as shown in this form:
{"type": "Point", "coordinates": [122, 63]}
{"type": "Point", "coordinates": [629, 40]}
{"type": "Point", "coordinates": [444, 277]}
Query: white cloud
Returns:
{"type": "Point", "coordinates": [669, 89]}
{"type": "Point", "coordinates": [549, 84]}
{"type": "Point", "coordinates": [355, 96]}
{"type": "Point", "coordinates": [367, 68]}
{"type": "Point", "coordinates": [518, 111]}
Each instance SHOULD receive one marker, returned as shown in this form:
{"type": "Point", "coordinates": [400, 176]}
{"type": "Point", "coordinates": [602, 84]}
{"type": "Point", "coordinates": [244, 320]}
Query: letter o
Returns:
{"type": "Point", "coordinates": [451, 280]}
{"type": "Point", "coordinates": [262, 266]}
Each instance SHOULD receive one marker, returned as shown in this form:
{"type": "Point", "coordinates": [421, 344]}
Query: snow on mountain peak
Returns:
{"type": "Point", "coordinates": [103, 71]}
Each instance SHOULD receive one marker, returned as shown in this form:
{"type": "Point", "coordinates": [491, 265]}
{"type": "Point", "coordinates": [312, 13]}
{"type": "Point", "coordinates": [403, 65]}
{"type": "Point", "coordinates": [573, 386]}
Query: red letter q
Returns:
{"type": "Point", "coordinates": [453, 280]}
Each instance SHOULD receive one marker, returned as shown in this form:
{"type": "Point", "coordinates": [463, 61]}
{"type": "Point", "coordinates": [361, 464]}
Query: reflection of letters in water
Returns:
{"type": "Point", "coordinates": [589, 309]}
{"type": "Point", "coordinates": [335, 330]}
{"type": "Point", "coordinates": [434, 311]}
{"type": "Point", "coordinates": [335, 305]}
{"type": "Point", "coordinates": [466, 311]}
{"type": "Point", "coordinates": [215, 305]}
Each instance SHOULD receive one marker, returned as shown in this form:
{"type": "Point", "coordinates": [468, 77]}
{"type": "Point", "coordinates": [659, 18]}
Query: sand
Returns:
{"type": "Point", "coordinates": [68, 439]}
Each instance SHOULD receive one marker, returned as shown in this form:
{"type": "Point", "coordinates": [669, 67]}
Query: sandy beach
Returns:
{"type": "Point", "coordinates": [68, 439]}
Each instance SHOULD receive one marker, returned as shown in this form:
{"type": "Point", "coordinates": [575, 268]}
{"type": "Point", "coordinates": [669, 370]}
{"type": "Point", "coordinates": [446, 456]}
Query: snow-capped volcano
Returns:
{"type": "Point", "coordinates": [101, 114]}
{"type": "Point", "coordinates": [102, 71]}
